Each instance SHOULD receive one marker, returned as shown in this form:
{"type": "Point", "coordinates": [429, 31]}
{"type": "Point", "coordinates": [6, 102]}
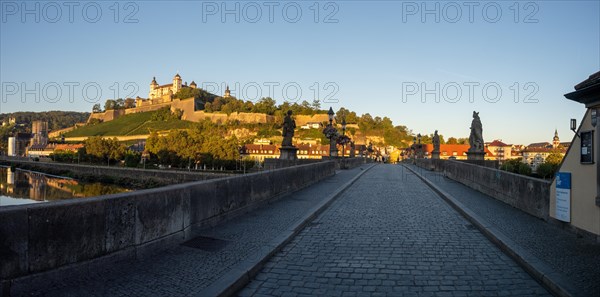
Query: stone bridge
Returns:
{"type": "Point", "coordinates": [308, 230]}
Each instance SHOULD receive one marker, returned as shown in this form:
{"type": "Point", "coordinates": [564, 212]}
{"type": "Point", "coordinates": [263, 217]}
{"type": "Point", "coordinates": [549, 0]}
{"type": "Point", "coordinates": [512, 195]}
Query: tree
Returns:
{"type": "Point", "coordinates": [105, 149]}
{"type": "Point", "coordinates": [265, 105]}
{"type": "Point", "coordinates": [452, 140]}
{"type": "Point", "coordinates": [554, 158]}
{"type": "Point", "coordinates": [316, 105]}
{"type": "Point", "coordinates": [110, 104]}
{"type": "Point", "coordinates": [546, 169]}
{"type": "Point", "coordinates": [119, 103]}
{"type": "Point", "coordinates": [96, 108]}
{"type": "Point", "coordinates": [129, 103]}
{"type": "Point", "coordinates": [523, 169]}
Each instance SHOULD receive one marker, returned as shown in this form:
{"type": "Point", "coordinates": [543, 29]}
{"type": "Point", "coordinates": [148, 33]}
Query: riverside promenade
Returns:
{"type": "Point", "coordinates": [376, 230]}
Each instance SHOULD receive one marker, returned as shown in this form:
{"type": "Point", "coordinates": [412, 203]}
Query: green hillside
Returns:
{"type": "Point", "coordinates": [133, 124]}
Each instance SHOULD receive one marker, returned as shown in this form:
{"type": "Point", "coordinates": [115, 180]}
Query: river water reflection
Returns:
{"type": "Point", "coordinates": [23, 187]}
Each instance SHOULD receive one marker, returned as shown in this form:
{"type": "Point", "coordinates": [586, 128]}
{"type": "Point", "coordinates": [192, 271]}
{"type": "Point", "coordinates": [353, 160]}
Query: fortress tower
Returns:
{"type": "Point", "coordinates": [158, 91]}
{"type": "Point", "coordinates": [176, 83]}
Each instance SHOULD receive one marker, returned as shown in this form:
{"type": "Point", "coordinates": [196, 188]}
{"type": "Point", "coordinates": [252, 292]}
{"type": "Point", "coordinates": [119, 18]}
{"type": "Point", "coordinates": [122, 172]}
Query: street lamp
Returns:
{"type": "Point", "coordinates": [343, 134]}
{"type": "Point", "coordinates": [330, 133]}
{"type": "Point", "coordinates": [419, 146]}
{"type": "Point", "coordinates": [574, 127]}
{"type": "Point", "coordinates": [145, 156]}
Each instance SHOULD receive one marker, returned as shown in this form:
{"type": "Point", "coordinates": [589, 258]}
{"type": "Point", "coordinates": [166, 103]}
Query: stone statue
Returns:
{"type": "Point", "coordinates": [476, 137]}
{"type": "Point", "coordinates": [288, 129]}
{"type": "Point", "coordinates": [436, 142]}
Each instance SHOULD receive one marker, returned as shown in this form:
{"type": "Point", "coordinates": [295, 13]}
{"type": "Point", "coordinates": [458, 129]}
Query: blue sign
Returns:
{"type": "Point", "coordinates": [563, 180]}
{"type": "Point", "coordinates": [563, 196]}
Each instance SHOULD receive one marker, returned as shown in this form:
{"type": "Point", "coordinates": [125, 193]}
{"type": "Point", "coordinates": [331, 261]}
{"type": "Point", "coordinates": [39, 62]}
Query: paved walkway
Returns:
{"type": "Point", "coordinates": [391, 235]}
{"type": "Point", "coordinates": [576, 260]}
{"type": "Point", "coordinates": [187, 271]}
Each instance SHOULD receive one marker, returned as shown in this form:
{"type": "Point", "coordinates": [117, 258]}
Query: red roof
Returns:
{"type": "Point", "coordinates": [498, 143]}
{"type": "Point", "coordinates": [450, 149]}
{"type": "Point", "coordinates": [544, 150]}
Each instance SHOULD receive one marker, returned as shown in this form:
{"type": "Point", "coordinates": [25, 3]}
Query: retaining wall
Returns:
{"type": "Point", "coordinates": [528, 194]}
{"type": "Point", "coordinates": [45, 236]}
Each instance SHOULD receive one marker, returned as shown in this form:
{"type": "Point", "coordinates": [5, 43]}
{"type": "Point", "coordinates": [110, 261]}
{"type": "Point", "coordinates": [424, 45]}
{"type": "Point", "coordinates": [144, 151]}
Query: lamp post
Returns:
{"type": "Point", "coordinates": [330, 113]}
{"type": "Point", "coordinates": [145, 156]}
{"type": "Point", "coordinates": [330, 133]}
{"type": "Point", "coordinates": [419, 146]}
{"type": "Point", "coordinates": [414, 147]}
{"type": "Point", "coordinates": [343, 134]}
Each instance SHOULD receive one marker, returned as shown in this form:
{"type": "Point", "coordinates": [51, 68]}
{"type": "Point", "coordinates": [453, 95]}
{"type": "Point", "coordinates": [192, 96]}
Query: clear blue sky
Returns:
{"type": "Point", "coordinates": [373, 57]}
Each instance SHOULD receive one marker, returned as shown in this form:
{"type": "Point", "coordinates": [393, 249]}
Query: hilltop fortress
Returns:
{"type": "Point", "coordinates": [161, 96]}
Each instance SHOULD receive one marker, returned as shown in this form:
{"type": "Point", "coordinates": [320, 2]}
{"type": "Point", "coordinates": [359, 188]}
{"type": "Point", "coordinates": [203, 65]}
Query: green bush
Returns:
{"type": "Point", "coordinates": [523, 169]}
{"type": "Point", "coordinates": [547, 169]}
{"type": "Point", "coordinates": [132, 159]}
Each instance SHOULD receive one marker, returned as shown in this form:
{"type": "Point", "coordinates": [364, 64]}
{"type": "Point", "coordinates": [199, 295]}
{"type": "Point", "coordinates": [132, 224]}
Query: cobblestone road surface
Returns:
{"type": "Point", "coordinates": [390, 235]}
{"type": "Point", "coordinates": [576, 258]}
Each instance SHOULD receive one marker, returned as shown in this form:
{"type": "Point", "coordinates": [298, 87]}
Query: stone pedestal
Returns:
{"type": "Point", "coordinates": [288, 153]}
{"type": "Point", "coordinates": [333, 152]}
{"type": "Point", "coordinates": [435, 155]}
{"type": "Point", "coordinates": [476, 156]}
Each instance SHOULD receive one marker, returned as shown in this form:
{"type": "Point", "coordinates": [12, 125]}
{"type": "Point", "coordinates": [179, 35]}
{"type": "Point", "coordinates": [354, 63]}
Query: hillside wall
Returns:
{"type": "Point", "coordinates": [191, 114]}
{"type": "Point", "coordinates": [108, 115]}
{"type": "Point", "coordinates": [318, 118]}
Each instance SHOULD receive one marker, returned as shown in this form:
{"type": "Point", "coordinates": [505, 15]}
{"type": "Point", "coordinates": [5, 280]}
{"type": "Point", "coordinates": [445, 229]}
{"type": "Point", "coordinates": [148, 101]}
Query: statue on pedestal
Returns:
{"type": "Point", "coordinates": [435, 154]}
{"type": "Point", "coordinates": [288, 129]}
{"type": "Point", "coordinates": [287, 151]}
{"type": "Point", "coordinates": [476, 137]}
{"type": "Point", "coordinates": [436, 141]}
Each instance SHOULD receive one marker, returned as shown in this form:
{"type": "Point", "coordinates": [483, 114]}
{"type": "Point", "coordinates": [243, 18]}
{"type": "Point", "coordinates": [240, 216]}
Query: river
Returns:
{"type": "Point", "coordinates": [24, 187]}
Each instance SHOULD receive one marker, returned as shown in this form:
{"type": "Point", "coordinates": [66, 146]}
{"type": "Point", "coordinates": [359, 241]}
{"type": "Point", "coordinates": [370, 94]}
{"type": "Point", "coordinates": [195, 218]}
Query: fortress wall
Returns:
{"type": "Point", "coordinates": [147, 108]}
{"type": "Point", "coordinates": [108, 115]}
{"type": "Point", "coordinates": [191, 114]}
{"type": "Point", "coordinates": [43, 241]}
{"type": "Point", "coordinates": [303, 119]}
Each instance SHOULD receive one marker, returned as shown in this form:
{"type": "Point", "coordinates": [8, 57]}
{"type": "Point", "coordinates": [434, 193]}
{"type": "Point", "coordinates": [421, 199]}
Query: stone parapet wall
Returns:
{"type": "Point", "coordinates": [163, 176]}
{"type": "Point", "coordinates": [43, 237]}
{"type": "Point", "coordinates": [531, 195]}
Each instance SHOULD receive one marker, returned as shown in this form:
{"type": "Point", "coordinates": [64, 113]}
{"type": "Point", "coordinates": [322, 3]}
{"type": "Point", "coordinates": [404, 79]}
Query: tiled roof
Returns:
{"type": "Point", "coordinates": [544, 150]}
{"type": "Point", "coordinates": [539, 144]}
{"type": "Point", "coordinates": [498, 143]}
{"type": "Point", "coordinates": [450, 149]}
{"type": "Point", "coordinates": [592, 80]}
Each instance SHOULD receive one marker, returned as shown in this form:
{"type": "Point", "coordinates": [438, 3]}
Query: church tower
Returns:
{"type": "Point", "coordinates": [227, 93]}
{"type": "Point", "coordinates": [555, 140]}
{"type": "Point", "coordinates": [176, 83]}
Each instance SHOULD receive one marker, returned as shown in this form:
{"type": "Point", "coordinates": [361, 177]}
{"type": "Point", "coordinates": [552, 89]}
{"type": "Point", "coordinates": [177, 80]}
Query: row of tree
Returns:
{"type": "Point", "coordinates": [205, 143]}
{"type": "Point", "coordinates": [544, 170]}
{"type": "Point", "coordinates": [56, 119]}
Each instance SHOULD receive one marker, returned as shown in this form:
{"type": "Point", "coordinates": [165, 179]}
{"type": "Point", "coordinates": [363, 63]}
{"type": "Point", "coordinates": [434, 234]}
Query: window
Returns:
{"type": "Point", "coordinates": [587, 147]}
